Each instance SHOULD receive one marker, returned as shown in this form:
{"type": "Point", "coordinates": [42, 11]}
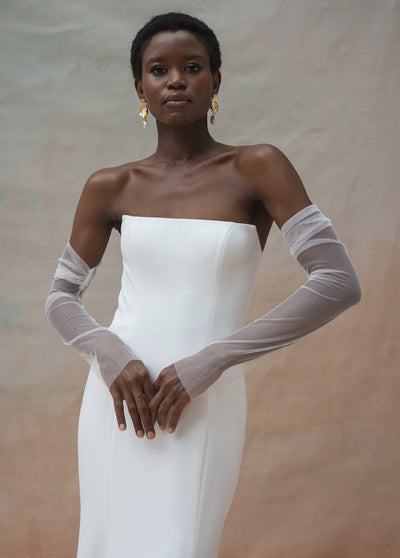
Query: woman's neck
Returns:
{"type": "Point", "coordinates": [180, 144]}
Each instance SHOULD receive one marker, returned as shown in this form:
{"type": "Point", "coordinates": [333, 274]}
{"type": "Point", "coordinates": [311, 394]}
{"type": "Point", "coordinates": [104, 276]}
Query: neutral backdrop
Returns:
{"type": "Point", "coordinates": [319, 79]}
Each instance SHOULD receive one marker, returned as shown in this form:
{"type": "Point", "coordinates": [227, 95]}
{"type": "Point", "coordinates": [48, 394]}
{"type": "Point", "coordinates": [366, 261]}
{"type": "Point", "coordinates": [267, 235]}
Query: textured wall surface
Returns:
{"type": "Point", "coordinates": [319, 79]}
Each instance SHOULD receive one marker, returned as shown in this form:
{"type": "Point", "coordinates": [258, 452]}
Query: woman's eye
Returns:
{"type": "Point", "coordinates": [194, 68]}
{"type": "Point", "coordinates": [158, 70]}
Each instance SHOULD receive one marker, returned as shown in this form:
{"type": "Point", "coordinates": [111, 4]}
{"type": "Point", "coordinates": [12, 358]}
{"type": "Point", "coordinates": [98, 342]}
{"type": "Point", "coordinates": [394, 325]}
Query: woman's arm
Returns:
{"type": "Point", "coordinates": [331, 287]}
{"type": "Point", "coordinates": [123, 373]}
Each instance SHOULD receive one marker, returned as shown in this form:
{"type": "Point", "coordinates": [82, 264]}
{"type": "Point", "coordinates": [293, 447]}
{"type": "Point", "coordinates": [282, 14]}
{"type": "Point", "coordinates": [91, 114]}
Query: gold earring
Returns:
{"type": "Point", "coordinates": [143, 112]}
{"type": "Point", "coordinates": [214, 107]}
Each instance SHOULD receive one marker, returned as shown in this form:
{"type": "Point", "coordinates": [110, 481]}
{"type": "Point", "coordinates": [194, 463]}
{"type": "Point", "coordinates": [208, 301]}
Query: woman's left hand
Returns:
{"type": "Point", "coordinates": [170, 393]}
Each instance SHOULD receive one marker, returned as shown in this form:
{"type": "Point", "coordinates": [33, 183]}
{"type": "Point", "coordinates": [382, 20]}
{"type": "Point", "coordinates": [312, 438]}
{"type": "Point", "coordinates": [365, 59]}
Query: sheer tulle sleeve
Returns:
{"type": "Point", "coordinates": [73, 324]}
{"type": "Point", "coordinates": [332, 287]}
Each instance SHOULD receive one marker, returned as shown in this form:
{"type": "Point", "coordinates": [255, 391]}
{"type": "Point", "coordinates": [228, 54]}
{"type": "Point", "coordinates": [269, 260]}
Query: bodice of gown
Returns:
{"type": "Point", "coordinates": [185, 283]}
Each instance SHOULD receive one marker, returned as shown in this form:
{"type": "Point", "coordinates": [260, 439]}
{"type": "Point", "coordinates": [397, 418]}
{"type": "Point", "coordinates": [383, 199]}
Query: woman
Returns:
{"type": "Point", "coordinates": [194, 218]}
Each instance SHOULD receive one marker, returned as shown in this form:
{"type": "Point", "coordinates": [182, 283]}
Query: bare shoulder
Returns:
{"type": "Point", "coordinates": [103, 188]}
{"type": "Point", "coordinates": [95, 213]}
{"type": "Point", "coordinates": [257, 161]}
{"type": "Point", "coordinates": [274, 179]}
{"type": "Point", "coordinates": [106, 181]}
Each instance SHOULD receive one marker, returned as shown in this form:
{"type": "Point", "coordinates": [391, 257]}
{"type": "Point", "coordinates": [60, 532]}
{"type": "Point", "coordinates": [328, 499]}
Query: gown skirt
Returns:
{"type": "Point", "coordinates": [185, 283]}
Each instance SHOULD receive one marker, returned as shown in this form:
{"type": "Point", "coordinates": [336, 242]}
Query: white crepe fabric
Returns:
{"type": "Point", "coordinates": [186, 286]}
{"type": "Point", "coordinates": [185, 283]}
{"type": "Point", "coordinates": [331, 288]}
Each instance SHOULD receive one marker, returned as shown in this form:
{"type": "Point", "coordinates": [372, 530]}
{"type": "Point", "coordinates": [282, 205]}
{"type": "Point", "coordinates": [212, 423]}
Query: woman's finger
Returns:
{"type": "Point", "coordinates": [144, 413]}
{"type": "Point", "coordinates": [162, 412]}
{"type": "Point", "coordinates": [119, 409]}
{"type": "Point", "coordinates": [149, 392]}
{"type": "Point", "coordinates": [148, 389]}
{"type": "Point", "coordinates": [175, 416]}
{"type": "Point", "coordinates": [155, 403]}
{"type": "Point", "coordinates": [137, 424]}
{"type": "Point", "coordinates": [157, 383]}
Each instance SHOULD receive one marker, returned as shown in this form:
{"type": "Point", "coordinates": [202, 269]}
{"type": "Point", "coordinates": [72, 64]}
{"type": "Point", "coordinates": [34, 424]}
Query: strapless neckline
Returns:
{"type": "Point", "coordinates": [189, 219]}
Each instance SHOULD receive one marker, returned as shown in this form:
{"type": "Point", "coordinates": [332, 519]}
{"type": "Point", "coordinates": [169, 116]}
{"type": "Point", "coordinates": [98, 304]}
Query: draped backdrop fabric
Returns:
{"type": "Point", "coordinates": [318, 79]}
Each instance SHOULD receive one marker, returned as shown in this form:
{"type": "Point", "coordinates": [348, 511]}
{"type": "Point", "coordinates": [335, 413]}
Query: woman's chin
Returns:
{"type": "Point", "coordinates": [177, 120]}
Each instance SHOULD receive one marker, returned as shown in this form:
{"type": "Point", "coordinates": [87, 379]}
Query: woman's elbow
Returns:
{"type": "Point", "coordinates": [353, 292]}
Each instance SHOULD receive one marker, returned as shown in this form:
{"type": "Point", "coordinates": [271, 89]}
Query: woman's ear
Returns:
{"type": "Point", "coordinates": [216, 81]}
{"type": "Point", "coordinates": [139, 88]}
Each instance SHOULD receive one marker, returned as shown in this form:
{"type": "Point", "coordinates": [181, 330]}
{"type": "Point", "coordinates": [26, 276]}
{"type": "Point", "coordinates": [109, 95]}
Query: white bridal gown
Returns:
{"type": "Point", "coordinates": [185, 283]}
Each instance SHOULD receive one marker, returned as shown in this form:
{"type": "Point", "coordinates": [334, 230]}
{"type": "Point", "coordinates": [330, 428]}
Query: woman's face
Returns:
{"type": "Point", "coordinates": [176, 78]}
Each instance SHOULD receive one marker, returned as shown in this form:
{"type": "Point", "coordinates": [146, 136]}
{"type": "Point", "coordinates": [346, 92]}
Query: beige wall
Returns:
{"type": "Point", "coordinates": [318, 78]}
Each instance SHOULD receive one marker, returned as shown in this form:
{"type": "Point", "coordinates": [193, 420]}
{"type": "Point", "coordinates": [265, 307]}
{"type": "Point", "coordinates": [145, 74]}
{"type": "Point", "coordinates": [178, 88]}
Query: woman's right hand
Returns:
{"type": "Point", "coordinates": [134, 385]}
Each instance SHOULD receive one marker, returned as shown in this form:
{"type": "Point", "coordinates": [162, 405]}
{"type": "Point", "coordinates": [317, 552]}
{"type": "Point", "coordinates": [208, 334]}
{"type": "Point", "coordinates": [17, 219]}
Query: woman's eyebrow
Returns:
{"type": "Point", "coordinates": [163, 58]}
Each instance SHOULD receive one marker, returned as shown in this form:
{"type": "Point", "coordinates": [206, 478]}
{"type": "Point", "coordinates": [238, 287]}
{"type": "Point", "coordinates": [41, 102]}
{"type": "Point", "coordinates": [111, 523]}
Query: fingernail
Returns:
{"type": "Point", "coordinates": [170, 429]}
{"type": "Point", "coordinates": [150, 435]}
{"type": "Point", "coordinates": [140, 433]}
{"type": "Point", "coordinates": [122, 426]}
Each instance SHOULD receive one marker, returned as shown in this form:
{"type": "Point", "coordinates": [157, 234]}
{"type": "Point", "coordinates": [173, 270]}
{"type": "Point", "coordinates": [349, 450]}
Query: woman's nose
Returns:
{"type": "Point", "coordinates": [176, 80]}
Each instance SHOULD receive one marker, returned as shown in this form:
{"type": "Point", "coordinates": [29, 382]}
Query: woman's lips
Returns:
{"type": "Point", "coordinates": [177, 100]}
{"type": "Point", "coordinates": [177, 103]}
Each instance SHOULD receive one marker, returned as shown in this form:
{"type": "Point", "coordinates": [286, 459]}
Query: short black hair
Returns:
{"type": "Point", "coordinates": [174, 21]}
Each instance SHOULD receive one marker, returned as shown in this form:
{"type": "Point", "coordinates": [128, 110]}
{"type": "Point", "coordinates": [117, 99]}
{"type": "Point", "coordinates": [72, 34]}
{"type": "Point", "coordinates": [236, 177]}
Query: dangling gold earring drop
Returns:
{"type": "Point", "coordinates": [214, 107]}
{"type": "Point", "coordinates": [143, 112]}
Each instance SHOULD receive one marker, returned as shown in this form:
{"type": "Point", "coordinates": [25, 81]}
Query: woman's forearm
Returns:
{"type": "Point", "coordinates": [332, 287]}
{"type": "Point", "coordinates": [75, 326]}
